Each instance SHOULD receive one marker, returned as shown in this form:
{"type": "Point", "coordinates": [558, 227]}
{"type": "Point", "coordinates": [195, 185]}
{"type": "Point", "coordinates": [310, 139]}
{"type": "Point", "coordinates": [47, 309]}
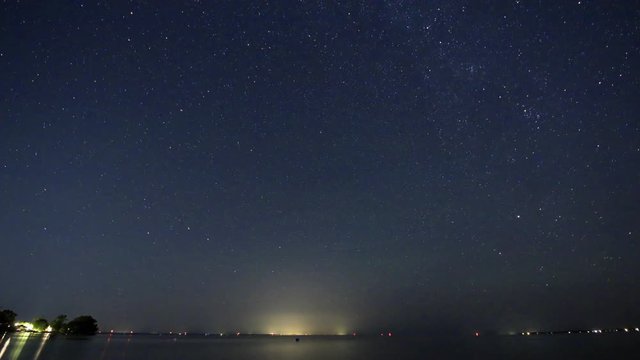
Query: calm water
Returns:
{"type": "Point", "coordinates": [42, 347]}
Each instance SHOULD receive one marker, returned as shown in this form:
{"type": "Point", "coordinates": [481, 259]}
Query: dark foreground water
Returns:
{"type": "Point", "coordinates": [43, 347]}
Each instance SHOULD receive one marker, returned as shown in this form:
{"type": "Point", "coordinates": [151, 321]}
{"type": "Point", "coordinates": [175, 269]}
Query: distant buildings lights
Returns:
{"type": "Point", "coordinates": [27, 326]}
{"type": "Point", "coordinates": [593, 331]}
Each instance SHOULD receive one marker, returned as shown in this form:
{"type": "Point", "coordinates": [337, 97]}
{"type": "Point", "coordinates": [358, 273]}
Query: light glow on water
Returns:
{"type": "Point", "coordinates": [41, 346]}
{"type": "Point", "coordinates": [4, 348]}
{"type": "Point", "coordinates": [20, 342]}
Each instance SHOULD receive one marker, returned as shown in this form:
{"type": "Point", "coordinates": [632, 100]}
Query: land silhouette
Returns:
{"type": "Point", "coordinates": [82, 325]}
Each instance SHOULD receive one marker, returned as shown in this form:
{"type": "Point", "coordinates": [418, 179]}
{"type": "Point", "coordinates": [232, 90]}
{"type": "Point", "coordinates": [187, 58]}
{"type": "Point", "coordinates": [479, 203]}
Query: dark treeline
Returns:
{"type": "Point", "coordinates": [82, 325]}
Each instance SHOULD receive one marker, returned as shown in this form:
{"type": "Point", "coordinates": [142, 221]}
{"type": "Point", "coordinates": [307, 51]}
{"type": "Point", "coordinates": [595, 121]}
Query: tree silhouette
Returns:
{"type": "Point", "coordinates": [7, 319]}
{"type": "Point", "coordinates": [82, 325]}
{"type": "Point", "coordinates": [40, 324]}
{"type": "Point", "coordinates": [59, 323]}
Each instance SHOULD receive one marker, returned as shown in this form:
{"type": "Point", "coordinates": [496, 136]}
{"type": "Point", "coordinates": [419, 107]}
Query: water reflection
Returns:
{"type": "Point", "coordinates": [21, 339]}
{"type": "Point", "coordinates": [42, 342]}
{"type": "Point", "coordinates": [22, 346]}
{"type": "Point", "coordinates": [4, 346]}
{"type": "Point", "coordinates": [106, 347]}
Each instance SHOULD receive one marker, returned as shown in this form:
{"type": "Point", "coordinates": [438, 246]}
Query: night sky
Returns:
{"type": "Point", "coordinates": [321, 166]}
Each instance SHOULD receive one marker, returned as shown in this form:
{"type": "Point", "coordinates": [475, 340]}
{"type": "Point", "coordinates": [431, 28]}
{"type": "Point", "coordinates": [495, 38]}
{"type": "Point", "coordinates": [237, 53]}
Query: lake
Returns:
{"type": "Point", "coordinates": [136, 347]}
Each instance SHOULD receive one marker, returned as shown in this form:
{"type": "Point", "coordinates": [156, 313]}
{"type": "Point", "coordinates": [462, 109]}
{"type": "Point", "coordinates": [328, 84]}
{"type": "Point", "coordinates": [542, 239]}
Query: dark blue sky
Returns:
{"type": "Point", "coordinates": [321, 166]}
